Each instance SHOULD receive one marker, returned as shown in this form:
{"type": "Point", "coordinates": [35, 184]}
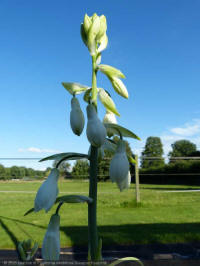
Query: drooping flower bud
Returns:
{"type": "Point", "coordinates": [96, 132]}
{"type": "Point", "coordinates": [47, 193]}
{"type": "Point", "coordinates": [110, 118]}
{"type": "Point", "coordinates": [77, 120]}
{"type": "Point", "coordinates": [51, 242]}
{"type": "Point", "coordinates": [119, 165]}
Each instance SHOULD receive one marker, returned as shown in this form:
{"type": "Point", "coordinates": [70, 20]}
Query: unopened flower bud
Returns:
{"type": "Point", "coordinates": [47, 193]}
{"type": "Point", "coordinates": [119, 87]}
{"type": "Point", "coordinates": [51, 242]}
{"type": "Point", "coordinates": [103, 28]}
{"type": "Point", "coordinates": [77, 120]}
{"type": "Point", "coordinates": [96, 132]}
{"type": "Point", "coordinates": [119, 165]}
{"type": "Point", "coordinates": [92, 33]}
{"type": "Point", "coordinates": [103, 42]}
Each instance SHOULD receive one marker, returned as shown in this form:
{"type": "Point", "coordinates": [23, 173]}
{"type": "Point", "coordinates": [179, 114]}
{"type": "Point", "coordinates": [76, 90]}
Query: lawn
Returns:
{"type": "Point", "coordinates": [160, 218]}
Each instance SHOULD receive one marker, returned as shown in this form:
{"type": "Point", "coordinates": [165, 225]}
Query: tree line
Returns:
{"type": "Point", "coordinates": [152, 162]}
{"type": "Point", "coordinates": [21, 172]}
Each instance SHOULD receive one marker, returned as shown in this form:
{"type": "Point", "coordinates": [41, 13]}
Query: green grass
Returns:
{"type": "Point", "coordinates": [160, 218]}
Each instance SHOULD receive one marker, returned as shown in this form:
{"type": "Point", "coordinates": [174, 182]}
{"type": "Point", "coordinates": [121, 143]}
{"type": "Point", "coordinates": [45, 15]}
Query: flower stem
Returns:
{"type": "Point", "coordinates": [92, 208]}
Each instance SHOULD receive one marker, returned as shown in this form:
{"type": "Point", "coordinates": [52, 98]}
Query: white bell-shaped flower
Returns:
{"type": "Point", "coordinates": [125, 184]}
{"type": "Point", "coordinates": [110, 118]}
{"type": "Point", "coordinates": [77, 120]}
{"type": "Point", "coordinates": [51, 242]}
{"type": "Point", "coordinates": [119, 165]}
{"type": "Point", "coordinates": [47, 193]}
{"type": "Point", "coordinates": [96, 132]}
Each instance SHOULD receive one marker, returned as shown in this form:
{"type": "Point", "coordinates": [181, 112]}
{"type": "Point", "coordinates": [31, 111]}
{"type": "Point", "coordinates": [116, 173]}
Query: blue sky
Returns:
{"type": "Point", "coordinates": [155, 44]}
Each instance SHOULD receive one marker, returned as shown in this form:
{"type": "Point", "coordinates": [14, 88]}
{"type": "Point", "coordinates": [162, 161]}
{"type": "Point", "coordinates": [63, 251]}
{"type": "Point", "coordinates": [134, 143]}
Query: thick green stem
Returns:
{"type": "Point", "coordinates": [94, 81]}
{"type": "Point", "coordinates": [92, 207]}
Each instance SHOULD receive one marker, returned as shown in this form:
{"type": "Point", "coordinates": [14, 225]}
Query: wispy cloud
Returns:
{"type": "Point", "coordinates": [189, 129]}
{"type": "Point", "coordinates": [37, 150]}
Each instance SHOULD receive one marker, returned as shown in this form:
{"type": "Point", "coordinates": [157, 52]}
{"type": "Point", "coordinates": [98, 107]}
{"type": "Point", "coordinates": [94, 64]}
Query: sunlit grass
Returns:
{"type": "Point", "coordinates": [160, 217]}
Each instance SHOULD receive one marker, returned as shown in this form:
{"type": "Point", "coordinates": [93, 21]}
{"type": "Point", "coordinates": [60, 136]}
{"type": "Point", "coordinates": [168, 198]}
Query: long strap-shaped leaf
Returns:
{"type": "Point", "coordinates": [74, 199]}
{"type": "Point", "coordinates": [65, 156]}
{"type": "Point", "coordinates": [68, 199]}
{"type": "Point", "coordinates": [124, 131]}
{"type": "Point", "coordinates": [126, 259]}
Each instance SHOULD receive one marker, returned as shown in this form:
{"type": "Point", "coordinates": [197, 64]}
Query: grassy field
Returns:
{"type": "Point", "coordinates": [160, 218]}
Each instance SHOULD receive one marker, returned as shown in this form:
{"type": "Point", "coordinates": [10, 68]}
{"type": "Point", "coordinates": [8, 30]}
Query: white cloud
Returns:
{"type": "Point", "coordinates": [189, 129]}
{"type": "Point", "coordinates": [37, 150]}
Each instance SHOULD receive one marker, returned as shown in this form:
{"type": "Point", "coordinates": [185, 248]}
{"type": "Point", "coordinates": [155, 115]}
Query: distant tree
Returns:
{"type": "Point", "coordinates": [153, 148]}
{"type": "Point", "coordinates": [2, 172]}
{"type": "Point", "coordinates": [64, 168]}
{"type": "Point", "coordinates": [195, 154]}
{"type": "Point", "coordinates": [15, 172]}
{"type": "Point", "coordinates": [80, 169]}
{"type": "Point", "coordinates": [182, 148]}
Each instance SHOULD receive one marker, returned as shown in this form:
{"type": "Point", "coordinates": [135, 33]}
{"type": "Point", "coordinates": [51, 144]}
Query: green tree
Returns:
{"type": "Point", "coordinates": [153, 148]}
{"type": "Point", "coordinates": [182, 148]}
{"type": "Point", "coordinates": [64, 168]}
{"type": "Point", "coordinates": [2, 172]}
{"type": "Point", "coordinates": [80, 169]}
{"type": "Point", "coordinates": [15, 172]}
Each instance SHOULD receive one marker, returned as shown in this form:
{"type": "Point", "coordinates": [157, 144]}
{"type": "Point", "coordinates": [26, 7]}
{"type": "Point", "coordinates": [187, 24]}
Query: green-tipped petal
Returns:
{"type": "Point", "coordinates": [74, 88]}
{"type": "Point", "coordinates": [119, 87]}
{"type": "Point", "coordinates": [107, 101]}
{"type": "Point", "coordinates": [103, 42]}
{"type": "Point", "coordinates": [111, 71]}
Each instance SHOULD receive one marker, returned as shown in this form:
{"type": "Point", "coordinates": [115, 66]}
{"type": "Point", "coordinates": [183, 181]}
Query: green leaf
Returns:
{"type": "Point", "coordinates": [74, 199]}
{"type": "Point", "coordinates": [124, 131]}
{"type": "Point", "coordinates": [68, 199]}
{"type": "Point", "coordinates": [110, 71]}
{"type": "Point", "coordinates": [126, 259]}
{"type": "Point", "coordinates": [130, 159]}
{"type": "Point", "coordinates": [29, 211]}
{"type": "Point", "coordinates": [65, 156]}
{"type": "Point", "coordinates": [107, 101]}
{"type": "Point", "coordinates": [74, 88]}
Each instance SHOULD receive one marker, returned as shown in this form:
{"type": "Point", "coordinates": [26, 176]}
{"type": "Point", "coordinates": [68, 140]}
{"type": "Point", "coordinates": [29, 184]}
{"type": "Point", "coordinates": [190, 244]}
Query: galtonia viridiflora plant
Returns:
{"type": "Point", "coordinates": [100, 136]}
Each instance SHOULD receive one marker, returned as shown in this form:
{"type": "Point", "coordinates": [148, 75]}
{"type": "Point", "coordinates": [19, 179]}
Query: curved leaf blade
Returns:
{"type": "Point", "coordinates": [29, 211]}
{"type": "Point", "coordinates": [74, 199]}
{"type": "Point", "coordinates": [65, 156]}
{"type": "Point", "coordinates": [126, 259]}
{"type": "Point", "coordinates": [124, 131]}
{"type": "Point", "coordinates": [130, 159]}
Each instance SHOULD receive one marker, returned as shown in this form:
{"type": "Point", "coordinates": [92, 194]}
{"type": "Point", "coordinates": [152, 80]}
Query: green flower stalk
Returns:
{"type": "Point", "coordinates": [93, 33]}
